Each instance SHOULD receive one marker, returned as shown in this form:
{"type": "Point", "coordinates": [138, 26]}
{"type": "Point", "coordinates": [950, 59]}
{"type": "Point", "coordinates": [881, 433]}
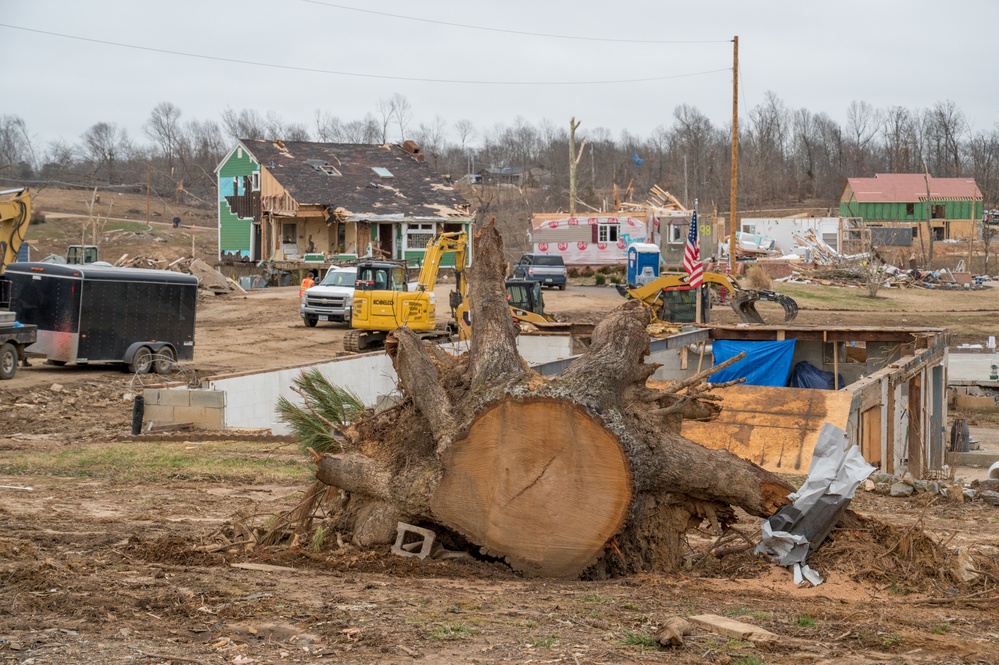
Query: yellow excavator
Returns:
{"type": "Point", "coordinates": [743, 301]}
{"type": "Point", "coordinates": [383, 301]}
{"type": "Point", "coordinates": [15, 215]}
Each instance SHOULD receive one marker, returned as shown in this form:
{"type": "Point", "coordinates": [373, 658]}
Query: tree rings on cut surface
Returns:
{"type": "Point", "coordinates": [539, 481]}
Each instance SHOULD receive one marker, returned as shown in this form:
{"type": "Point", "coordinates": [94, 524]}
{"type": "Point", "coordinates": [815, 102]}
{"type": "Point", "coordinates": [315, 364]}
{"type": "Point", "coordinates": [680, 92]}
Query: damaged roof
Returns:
{"type": "Point", "coordinates": [358, 180]}
{"type": "Point", "coordinates": [909, 188]}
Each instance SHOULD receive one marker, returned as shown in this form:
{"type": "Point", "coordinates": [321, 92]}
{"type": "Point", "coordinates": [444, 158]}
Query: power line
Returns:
{"type": "Point", "coordinates": [354, 74]}
{"type": "Point", "coordinates": [517, 32]}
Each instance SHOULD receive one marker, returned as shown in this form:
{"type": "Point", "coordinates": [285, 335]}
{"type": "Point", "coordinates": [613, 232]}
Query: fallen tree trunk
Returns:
{"type": "Point", "coordinates": [550, 473]}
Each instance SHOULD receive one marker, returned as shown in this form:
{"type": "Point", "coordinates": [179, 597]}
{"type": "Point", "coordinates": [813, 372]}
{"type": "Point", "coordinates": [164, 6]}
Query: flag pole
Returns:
{"type": "Point", "coordinates": [697, 289]}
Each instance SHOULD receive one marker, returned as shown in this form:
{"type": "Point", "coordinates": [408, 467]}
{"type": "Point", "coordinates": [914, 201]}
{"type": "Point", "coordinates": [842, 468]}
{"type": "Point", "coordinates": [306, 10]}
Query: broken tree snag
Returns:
{"type": "Point", "coordinates": [493, 358]}
{"type": "Point", "coordinates": [581, 473]}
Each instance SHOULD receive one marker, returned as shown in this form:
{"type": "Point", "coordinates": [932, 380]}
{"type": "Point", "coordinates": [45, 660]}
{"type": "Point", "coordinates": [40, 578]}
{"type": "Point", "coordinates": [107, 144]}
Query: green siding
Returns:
{"type": "Point", "coordinates": [898, 212]}
{"type": "Point", "coordinates": [235, 233]}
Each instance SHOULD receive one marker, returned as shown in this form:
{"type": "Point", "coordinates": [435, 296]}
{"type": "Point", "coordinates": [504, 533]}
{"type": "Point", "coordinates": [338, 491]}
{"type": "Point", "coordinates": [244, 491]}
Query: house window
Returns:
{"type": "Point", "coordinates": [939, 212]}
{"type": "Point", "coordinates": [322, 166]}
{"type": "Point", "coordinates": [255, 181]}
{"type": "Point", "coordinates": [382, 172]}
{"type": "Point", "coordinates": [607, 232]}
{"type": "Point", "coordinates": [910, 209]}
{"type": "Point", "coordinates": [677, 234]}
{"type": "Point", "coordinates": [289, 234]}
{"type": "Point", "coordinates": [419, 235]}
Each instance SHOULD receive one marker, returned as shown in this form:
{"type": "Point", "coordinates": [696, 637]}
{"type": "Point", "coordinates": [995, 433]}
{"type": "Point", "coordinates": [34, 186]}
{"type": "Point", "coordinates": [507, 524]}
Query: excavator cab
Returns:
{"type": "Point", "coordinates": [525, 295]}
{"type": "Point", "coordinates": [81, 254]}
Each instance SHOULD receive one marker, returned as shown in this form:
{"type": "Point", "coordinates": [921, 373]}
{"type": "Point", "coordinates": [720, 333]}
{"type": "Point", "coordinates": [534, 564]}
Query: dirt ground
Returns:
{"type": "Point", "coordinates": [122, 551]}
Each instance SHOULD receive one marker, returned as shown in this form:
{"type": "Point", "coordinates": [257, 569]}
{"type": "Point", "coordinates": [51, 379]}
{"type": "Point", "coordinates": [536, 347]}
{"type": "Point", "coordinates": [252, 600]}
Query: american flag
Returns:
{"type": "Point", "coordinates": [692, 255]}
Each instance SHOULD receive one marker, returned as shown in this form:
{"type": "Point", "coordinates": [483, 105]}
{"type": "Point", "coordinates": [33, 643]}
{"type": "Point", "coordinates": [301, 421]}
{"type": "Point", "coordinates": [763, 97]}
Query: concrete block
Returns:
{"type": "Point", "coordinates": [209, 398]}
{"type": "Point", "coordinates": [160, 415]}
{"type": "Point", "coordinates": [178, 397]}
{"type": "Point", "coordinates": [199, 416]}
{"type": "Point", "coordinates": [971, 403]}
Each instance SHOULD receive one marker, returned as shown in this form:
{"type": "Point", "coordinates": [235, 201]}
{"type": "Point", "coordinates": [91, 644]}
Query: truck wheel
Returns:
{"type": "Point", "coordinates": [141, 361]}
{"type": "Point", "coordinates": [311, 321]}
{"type": "Point", "coordinates": [561, 287]}
{"type": "Point", "coordinates": [8, 361]}
{"type": "Point", "coordinates": [164, 360]}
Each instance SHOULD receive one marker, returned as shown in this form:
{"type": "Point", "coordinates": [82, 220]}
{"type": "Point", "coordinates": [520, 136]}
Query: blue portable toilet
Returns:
{"type": "Point", "coordinates": [643, 263]}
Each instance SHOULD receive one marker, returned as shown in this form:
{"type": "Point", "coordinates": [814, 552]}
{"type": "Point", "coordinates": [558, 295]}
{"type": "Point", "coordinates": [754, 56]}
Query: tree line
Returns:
{"type": "Point", "coordinates": [788, 157]}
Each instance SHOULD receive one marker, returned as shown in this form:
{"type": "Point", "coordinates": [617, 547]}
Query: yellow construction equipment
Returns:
{"type": "Point", "coordinates": [743, 301]}
{"type": "Point", "coordinates": [383, 301]}
{"type": "Point", "coordinates": [15, 215]}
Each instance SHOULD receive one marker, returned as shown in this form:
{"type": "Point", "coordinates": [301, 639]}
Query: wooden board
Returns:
{"type": "Point", "coordinates": [539, 482]}
{"type": "Point", "coordinates": [775, 428]}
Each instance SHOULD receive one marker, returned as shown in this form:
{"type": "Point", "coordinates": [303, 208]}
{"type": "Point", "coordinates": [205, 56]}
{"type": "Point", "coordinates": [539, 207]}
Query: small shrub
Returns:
{"type": "Point", "coordinates": [572, 272]}
{"type": "Point", "coordinates": [599, 279]}
{"type": "Point", "coordinates": [605, 270]}
{"type": "Point", "coordinates": [806, 621]}
{"type": "Point", "coordinates": [758, 278]}
{"type": "Point", "coordinates": [638, 640]}
{"type": "Point", "coordinates": [586, 272]}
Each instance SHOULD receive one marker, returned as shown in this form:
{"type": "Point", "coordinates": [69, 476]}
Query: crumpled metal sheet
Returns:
{"type": "Point", "coordinates": [798, 529]}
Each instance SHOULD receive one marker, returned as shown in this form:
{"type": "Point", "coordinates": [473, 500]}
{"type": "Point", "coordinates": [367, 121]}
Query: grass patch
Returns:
{"type": "Point", "coordinates": [160, 461]}
{"type": "Point", "coordinates": [751, 613]}
{"type": "Point", "coordinates": [747, 660]}
{"type": "Point", "coordinates": [447, 632]}
{"type": "Point", "coordinates": [546, 643]}
{"type": "Point", "coordinates": [941, 629]}
{"type": "Point", "coordinates": [595, 599]}
{"type": "Point", "coordinates": [806, 621]}
{"type": "Point", "coordinates": [638, 640]}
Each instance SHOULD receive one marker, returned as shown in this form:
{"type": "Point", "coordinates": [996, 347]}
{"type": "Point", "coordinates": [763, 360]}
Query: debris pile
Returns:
{"type": "Point", "coordinates": [209, 279]}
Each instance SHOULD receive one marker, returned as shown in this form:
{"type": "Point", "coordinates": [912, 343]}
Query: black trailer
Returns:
{"type": "Point", "coordinates": [100, 313]}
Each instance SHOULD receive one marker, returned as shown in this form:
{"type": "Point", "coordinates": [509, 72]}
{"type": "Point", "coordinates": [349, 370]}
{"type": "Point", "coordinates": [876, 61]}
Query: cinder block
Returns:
{"type": "Point", "coordinates": [154, 413]}
{"type": "Point", "coordinates": [200, 416]}
{"type": "Point", "coordinates": [209, 398]}
{"type": "Point", "coordinates": [151, 395]}
{"type": "Point", "coordinates": [178, 397]}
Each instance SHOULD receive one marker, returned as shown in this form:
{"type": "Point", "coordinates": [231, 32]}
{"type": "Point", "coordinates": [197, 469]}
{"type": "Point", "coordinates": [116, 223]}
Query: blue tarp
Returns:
{"type": "Point", "coordinates": [765, 364]}
{"type": "Point", "coordinates": [807, 375]}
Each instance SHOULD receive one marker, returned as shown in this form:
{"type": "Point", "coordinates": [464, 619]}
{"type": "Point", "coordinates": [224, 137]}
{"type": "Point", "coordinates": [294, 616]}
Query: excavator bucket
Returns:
{"type": "Point", "coordinates": [744, 304]}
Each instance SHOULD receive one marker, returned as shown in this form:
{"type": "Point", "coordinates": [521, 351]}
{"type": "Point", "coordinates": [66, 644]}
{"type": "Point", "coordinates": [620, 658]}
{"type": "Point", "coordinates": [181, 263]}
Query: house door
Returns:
{"type": "Point", "coordinates": [385, 240]}
{"type": "Point", "coordinates": [255, 243]}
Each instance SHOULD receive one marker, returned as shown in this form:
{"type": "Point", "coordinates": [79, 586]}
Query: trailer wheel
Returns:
{"type": "Point", "coordinates": [141, 361]}
{"type": "Point", "coordinates": [164, 360]}
{"type": "Point", "coordinates": [8, 361]}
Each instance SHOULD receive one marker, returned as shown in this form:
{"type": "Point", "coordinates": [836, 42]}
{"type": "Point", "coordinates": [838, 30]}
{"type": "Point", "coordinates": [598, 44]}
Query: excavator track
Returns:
{"type": "Point", "coordinates": [359, 341]}
{"type": "Point", "coordinates": [744, 304]}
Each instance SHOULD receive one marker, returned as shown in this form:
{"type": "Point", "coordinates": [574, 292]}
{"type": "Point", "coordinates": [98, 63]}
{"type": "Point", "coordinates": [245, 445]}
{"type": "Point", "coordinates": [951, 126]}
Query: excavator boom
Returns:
{"type": "Point", "coordinates": [15, 214]}
{"type": "Point", "coordinates": [743, 301]}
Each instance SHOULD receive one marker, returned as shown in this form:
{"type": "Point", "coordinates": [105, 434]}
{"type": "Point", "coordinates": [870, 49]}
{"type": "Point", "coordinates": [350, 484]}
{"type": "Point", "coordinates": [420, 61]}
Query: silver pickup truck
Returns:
{"type": "Point", "coordinates": [544, 268]}
{"type": "Point", "coordinates": [330, 299]}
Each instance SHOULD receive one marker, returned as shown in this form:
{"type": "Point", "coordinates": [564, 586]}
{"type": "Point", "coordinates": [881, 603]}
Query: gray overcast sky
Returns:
{"type": "Point", "coordinates": [814, 55]}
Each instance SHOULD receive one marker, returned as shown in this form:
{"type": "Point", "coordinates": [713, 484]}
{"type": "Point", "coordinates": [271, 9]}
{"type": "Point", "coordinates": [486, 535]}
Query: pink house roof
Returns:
{"type": "Point", "coordinates": [908, 188]}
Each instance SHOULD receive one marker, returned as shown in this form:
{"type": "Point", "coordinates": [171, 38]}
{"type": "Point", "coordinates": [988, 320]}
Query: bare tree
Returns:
{"type": "Point", "coordinates": [105, 144]}
{"type": "Point", "coordinates": [163, 127]}
{"type": "Point", "coordinates": [466, 132]}
{"type": "Point", "coordinates": [328, 127]}
{"type": "Point", "coordinates": [386, 110]}
{"type": "Point", "coordinates": [862, 124]}
{"type": "Point", "coordinates": [945, 126]}
{"type": "Point", "coordinates": [247, 124]}
{"type": "Point", "coordinates": [402, 111]}
{"type": "Point", "coordinates": [901, 145]}
{"type": "Point", "coordinates": [16, 152]}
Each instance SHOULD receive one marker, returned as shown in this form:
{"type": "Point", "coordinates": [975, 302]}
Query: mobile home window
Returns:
{"type": "Point", "coordinates": [607, 232]}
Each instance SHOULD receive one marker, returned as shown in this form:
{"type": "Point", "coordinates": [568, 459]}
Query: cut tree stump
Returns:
{"type": "Point", "coordinates": [584, 472]}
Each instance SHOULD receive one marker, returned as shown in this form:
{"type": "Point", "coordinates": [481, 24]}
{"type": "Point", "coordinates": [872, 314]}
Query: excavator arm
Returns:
{"type": "Point", "coordinates": [15, 214]}
{"type": "Point", "coordinates": [743, 301]}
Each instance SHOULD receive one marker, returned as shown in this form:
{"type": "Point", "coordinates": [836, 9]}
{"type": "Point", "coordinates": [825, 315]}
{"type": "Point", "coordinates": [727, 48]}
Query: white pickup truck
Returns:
{"type": "Point", "coordinates": [330, 299]}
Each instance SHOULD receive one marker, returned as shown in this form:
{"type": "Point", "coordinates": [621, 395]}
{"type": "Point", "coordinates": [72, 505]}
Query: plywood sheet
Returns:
{"type": "Point", "coordinates": [774, 427]}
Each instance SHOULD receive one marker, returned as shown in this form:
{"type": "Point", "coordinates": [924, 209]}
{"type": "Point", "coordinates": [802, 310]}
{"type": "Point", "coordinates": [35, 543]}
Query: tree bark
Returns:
{"type": "Point", "coordinates": [584, 472]}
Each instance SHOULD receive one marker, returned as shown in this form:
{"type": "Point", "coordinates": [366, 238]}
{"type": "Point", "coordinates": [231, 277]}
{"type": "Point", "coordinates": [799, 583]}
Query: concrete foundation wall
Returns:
{"type": "Point", "coordinates": [204, 409]}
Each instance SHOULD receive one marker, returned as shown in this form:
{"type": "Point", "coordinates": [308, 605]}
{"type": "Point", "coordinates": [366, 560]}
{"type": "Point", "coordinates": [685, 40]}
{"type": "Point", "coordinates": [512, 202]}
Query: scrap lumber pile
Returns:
{"type": "Point", "coordinates": [209, 278]}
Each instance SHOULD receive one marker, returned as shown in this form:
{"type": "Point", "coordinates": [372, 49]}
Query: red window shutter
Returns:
{"type": "Point", "coordinates": [594, 228]}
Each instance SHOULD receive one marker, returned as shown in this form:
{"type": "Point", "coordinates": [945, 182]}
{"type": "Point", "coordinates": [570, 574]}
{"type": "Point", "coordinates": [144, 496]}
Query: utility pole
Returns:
{"type": "Point", "coordinates": [149, 180]}
{"type": "Point", "coordinates": [732, 244]}
{"type": "Point", "coordinates": [574, 158]}
{"type": "Point", "coordinates": [929, 206]}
